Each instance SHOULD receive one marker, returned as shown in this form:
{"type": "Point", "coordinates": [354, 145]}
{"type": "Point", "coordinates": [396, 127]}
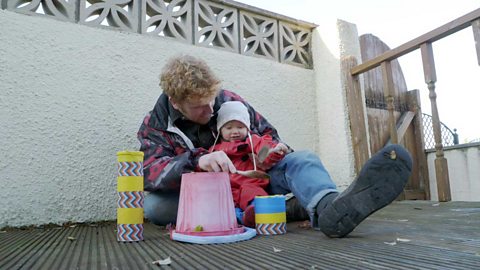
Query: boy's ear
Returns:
{"type": "Point", "coordinates": [174, 103]}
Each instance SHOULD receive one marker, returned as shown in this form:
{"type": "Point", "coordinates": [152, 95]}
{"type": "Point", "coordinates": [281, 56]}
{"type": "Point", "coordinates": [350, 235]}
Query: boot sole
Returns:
{"type": "Point", "coordinates": [379, 183]}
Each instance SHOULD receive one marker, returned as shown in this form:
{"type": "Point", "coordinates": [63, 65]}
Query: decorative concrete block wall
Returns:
{"type": "Point", "coordinates": [227, 25]}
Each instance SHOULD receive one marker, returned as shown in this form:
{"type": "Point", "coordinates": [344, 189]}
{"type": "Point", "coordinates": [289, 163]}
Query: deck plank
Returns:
{"type": "Point", "coordinates": [404, 235]}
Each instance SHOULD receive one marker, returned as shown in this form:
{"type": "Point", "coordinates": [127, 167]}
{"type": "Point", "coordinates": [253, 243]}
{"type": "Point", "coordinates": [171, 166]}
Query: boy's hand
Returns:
{"type": "Point", "coordinates": [216, 162]}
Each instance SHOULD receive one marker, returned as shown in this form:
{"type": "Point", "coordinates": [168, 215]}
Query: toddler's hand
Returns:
{"type": "Point", "coordinates": [281, 149]}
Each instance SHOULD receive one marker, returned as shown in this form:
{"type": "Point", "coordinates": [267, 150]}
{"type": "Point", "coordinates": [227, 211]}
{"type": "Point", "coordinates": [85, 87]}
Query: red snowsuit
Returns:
{"type": "Point", "coordinates": [244, 189]}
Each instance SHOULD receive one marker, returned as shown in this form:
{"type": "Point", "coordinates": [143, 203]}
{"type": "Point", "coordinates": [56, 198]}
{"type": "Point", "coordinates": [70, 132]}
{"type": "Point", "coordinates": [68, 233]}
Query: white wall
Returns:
{"type": "Point", "coordinates": [333, 40]}
{"type": "Point", "coordinates": [463, 172]}
{"type": "Point", "coordinates": [71, 96]}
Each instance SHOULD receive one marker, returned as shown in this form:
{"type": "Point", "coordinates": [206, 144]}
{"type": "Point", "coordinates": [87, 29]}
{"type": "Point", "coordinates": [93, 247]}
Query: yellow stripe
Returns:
{"type": "Point", "coordinates": [129, 156]}
{"type": "Point", "coordinates": [270, 218]}
{"type": "Point", "coordinates": [129, 183]}
{"type": "Point", "coordinates": [129, 215]}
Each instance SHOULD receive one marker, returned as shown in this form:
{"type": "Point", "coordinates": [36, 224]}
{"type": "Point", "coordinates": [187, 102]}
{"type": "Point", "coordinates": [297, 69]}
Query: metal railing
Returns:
{"type": "Point", "coordinates": [476, 140]}
{"type": "Point", "coordinates": [449, 137]}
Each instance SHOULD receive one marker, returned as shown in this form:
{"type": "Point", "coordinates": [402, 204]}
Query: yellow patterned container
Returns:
{"type": "Point", "coordinates": [270, 215]}
{"type": "Point", "coordinates": [130, 196]}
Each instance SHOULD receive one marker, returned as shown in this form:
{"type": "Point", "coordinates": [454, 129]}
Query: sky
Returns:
{"type": "Point", "coordinates": [396, 22]}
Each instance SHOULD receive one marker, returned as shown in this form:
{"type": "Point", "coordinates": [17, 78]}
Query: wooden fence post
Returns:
{"type": "Point", "coordinates": [356, 113]}
{"type": "Point", "coordinates": [388, 88]}
{"type": "Point", "coordinates": [476, 36]}
{"type": "Point", "coordinates": [441, 165]}
{"type": "Point", "coordinates": [413, 100]}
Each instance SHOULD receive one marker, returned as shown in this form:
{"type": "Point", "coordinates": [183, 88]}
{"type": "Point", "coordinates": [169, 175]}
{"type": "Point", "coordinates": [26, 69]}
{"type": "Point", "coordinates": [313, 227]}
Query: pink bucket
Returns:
{"type": "Point", "coordinates": [206, 207]}
{"type": "Point", "coordinates": [206, 201]}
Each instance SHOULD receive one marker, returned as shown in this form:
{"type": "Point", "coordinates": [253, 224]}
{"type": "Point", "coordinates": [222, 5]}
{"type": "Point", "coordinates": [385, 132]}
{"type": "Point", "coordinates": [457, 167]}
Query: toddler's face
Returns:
{"type": "Point", "coordinates": [234, 131]}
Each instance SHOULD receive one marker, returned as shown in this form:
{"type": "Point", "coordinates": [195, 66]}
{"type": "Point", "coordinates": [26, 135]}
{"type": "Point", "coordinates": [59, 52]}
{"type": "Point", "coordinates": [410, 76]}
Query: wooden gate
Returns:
{"type": "Point", "coordinates": [407, 114]}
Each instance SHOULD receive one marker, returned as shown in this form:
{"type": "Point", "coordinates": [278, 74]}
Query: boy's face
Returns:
{"type": "Point", "coordinates": [199, 111]}
{"type": "Point", "coordinates": [233, 131]}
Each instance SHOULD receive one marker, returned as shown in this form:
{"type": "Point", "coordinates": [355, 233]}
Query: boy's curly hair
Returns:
{"type": "Point", "coordinates": [186, 78]}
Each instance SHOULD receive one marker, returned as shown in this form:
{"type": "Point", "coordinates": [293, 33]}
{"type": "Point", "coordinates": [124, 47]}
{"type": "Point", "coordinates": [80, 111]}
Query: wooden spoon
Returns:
{"type": "Point", "coordinates": [263, 153]}
{"type": "Point", "coordinates": [254, 174]}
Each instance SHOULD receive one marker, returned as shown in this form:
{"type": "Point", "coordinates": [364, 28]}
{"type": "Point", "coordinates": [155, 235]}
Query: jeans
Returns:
{"type": "Point", "coordinates": [301, 173]}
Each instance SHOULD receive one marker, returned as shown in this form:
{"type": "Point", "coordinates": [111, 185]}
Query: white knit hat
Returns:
{"type": "Point", "coordinates": [233, 110]}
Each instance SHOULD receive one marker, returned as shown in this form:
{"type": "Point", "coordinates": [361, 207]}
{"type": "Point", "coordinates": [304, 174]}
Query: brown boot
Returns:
{"type": "Point", "coordinates": [295, 211]}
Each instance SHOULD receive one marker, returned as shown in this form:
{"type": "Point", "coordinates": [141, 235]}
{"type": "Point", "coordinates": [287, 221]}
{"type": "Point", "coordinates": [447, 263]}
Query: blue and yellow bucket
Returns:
{"type": "Point", "coordinates": [270, 215]}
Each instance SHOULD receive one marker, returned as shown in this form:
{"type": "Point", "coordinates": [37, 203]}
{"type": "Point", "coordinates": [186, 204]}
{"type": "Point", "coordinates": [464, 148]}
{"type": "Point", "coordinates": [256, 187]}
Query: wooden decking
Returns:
{"type": "Point", "coordinates": [404, 235]}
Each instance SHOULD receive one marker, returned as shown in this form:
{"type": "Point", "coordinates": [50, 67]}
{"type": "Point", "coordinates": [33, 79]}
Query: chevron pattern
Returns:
{"type": "Point", "coordinates": [130, 199]}
{"type": "Point", "coordinates": [130, 168]}
{"type": "Point", "coordinates": [129, 232]}
{"type": "Point", "coordinates": [271, 229]}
